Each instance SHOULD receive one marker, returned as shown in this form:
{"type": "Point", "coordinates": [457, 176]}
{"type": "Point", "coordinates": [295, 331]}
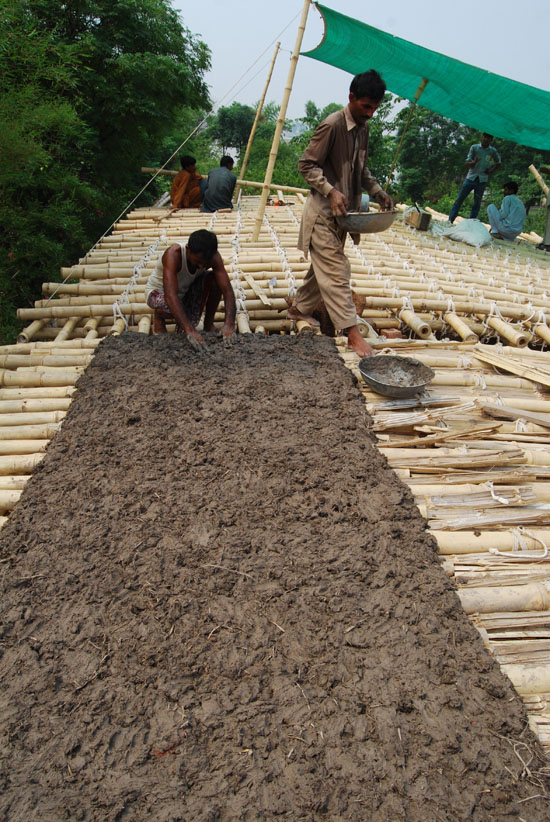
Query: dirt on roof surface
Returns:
{"type": "Point", "coordinates": [219, 603]}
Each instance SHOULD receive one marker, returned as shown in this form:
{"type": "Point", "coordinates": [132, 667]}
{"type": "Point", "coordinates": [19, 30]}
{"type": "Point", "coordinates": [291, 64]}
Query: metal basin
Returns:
{"type": "Point", "coordinates": [395, 376]}
{"type": "Point", "coordinates": [357, 222]}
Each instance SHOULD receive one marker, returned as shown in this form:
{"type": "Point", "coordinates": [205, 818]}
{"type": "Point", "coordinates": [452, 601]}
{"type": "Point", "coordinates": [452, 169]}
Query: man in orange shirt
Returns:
{"type": "Point", "coordinates": [186, 189]}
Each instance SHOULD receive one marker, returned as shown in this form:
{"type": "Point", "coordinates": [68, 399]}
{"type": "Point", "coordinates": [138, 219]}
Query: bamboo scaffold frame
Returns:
{"type": "Point", "coordinates": [474, 449]}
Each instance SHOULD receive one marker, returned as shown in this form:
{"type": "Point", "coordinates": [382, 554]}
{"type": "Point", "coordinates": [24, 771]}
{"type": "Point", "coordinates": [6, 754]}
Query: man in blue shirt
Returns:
{"type": "Point", "coordinates": [482, 161]}
{"type": "Point", "coordinates": [220, 187]}
{"type": "Point", "coordinates": [507, 222]}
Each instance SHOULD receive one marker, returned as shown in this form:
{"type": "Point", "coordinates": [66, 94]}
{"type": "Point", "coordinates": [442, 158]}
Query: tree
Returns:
{"type": "Point", "coordinates": [42, 200]}
{"type": "Point", "coordinates": [433, 154]}
{"type": "Point", "coordinates": [89, 90]}
{"type": "Point", "coordinates": [139, 66]}
{"type": "Point", "coordinates": [232, 126]}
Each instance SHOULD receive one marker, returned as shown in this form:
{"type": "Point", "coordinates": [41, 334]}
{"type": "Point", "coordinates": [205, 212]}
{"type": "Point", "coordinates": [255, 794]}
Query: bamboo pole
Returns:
{"type": "Point", "coordinates": [420, 328]}
{"type": "Point", "coordinates": [28, 333]}
{"type": "Point", "coordinates": [28, 419]}
{"type": "Point", "coordinates": [28, 432]}
{"type": "Point", "coordinates": [462, 329]}
{"type": "Point", "coordinates": [480, 542]}
{"type": "Point", "coordinates": [118, 327]}
{"type": "Point", "coordinates": [90, 327]}
{"type": "Point", "coordinates": [243, 183]}
{"type": "Point", "coordinates": [14, 482]}
{"type": "Point", "coordinates": [531, 597]}
{"type": "Point", "coordinates": [255, 123]}
{"type": "Point", "coordinates": [280, 122]}
{"type": "Point", "coordinates": [67, 329]}
{"type": "Point", "coordinates": [534, 171]}
{"type": "Point", "coordinates": [504, 329]}
{"type": "Point", "coordinates": [19, 464]}
{"type": "Point", "coordinates": [16, 447]}
{"type": "Point", "coordinates": [18, 378]}
{"type": "Point", "coordinates": [542, 332]}
{"type": "Point", "coordinates": [144, 325]}
{"type": "Point", "coordinates": [8, 500]}
{"type": "Point", "coordinates": [529, 679]}
{"type": "Point", "coordinates": [13, 394]}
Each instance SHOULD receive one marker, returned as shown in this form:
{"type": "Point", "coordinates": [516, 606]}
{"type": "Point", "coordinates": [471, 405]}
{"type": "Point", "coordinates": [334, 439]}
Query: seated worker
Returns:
{"type": "Point", "coordinates": [189, 279]}
{"type": "Point", "coordinates": [220, 186]}
{"type": "Point", "coordinates": [507, 222]}
{"type": "Point", "coordinates": [186, 191]}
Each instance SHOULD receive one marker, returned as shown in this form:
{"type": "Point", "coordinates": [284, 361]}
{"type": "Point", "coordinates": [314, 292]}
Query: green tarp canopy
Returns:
{"type": "Point", "coordinates": [469, 95]}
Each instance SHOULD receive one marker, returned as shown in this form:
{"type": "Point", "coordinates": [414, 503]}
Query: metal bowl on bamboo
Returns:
{"type": "Point", "coordinates": [362, 222]}
{"type": "Point", "coordinates": [395, 376]}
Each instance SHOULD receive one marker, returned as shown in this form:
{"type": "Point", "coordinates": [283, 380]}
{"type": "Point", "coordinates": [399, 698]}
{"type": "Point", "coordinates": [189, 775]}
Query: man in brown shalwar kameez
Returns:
{"type": "Point", "coordinates": [334, 165]}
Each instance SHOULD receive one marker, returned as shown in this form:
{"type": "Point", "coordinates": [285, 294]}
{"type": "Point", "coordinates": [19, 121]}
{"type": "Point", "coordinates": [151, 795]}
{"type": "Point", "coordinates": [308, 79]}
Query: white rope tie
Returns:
{"type": "Point", "coordinates": [502, 500]}
{"type": "Point", "coordinates": [480, 382]}
{"type": "Point", "coordinates": [281, 251]}
{"type": "Point", "coordinates": [520, 551]}
{"type": "Point", "coordinates": [124, 298]}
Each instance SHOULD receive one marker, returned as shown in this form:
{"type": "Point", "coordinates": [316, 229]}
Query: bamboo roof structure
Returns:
{"type": "Point", "coordinates": [474, 448]}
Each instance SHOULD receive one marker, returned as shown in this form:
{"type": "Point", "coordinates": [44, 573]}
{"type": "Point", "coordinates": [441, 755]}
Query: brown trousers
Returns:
{"type": "Point", "coordinates": [328, 277]}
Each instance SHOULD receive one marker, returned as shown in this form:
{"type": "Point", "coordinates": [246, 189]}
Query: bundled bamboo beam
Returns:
{"type": "Point", "coordinates": [529, 679]}
{"type": "Point", "coordinates": [15, 482]}
{"type": "Point", "coordinates": [62, 393]}
{"type": "Point", "coordinates": [15, 447]}
{"type": "Point", "coordinates": [29, 378]}
{"type": "Point", "coordinates": [27, 429]}
{"type": "Point", "coordinates": [23, 464]}
{"type": "Point", "coordinates": [477, 542]}
{"type": "Point", "coordinates": [8, 500]}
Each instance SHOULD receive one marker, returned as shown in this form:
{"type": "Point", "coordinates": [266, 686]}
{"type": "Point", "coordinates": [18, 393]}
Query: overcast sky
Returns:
{"type": "Point", "coordinates": [503, 36]}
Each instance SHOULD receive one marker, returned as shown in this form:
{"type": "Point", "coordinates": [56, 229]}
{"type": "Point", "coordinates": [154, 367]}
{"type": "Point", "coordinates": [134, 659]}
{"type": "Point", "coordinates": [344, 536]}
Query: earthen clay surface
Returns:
{"type": "Point", "coordinates": [219, 603]}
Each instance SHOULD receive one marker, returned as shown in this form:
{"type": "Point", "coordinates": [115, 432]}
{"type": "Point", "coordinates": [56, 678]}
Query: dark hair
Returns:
{"type": "Point", "coordinates": [227, 161]}
{"type": "Point", "coordinates": [512, 185]}
{"type": "Point", "coordinates": [486, 134]}
{"type": "Point", "coordinates": [203, 242]}
{"type": "Point", "coordinates": [368, 84]}
{"type": "Point", "coordinates": [187, 161]}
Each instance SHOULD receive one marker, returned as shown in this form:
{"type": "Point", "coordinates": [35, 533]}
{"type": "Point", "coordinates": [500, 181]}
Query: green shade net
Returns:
{"type": "Point", "coordinates": [469, 95]}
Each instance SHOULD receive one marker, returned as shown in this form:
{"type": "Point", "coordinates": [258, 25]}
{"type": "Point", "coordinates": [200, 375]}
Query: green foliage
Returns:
{"type": "Point", "coordinates": [231, 128]}
{"type": "Point", "coordinates": [88, 91]}
{"type": "Point", "coordinates": [432, 156]}
{"type": "Point", "coordinates": [42, 201]}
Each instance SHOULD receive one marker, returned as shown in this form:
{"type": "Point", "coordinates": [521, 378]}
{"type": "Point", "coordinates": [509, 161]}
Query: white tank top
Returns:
{"type": "Point", "coordinates": [185, 277]}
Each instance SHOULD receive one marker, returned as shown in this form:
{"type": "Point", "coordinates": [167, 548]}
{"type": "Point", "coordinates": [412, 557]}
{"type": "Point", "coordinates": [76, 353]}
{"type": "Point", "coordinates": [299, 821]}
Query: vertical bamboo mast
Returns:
{"type": "Point", "coordinates": [280, 122]}
{"type": "Point", "coordinates": [534, 171]}
{"type": "Point", "coordinates": [255, 123]}
{"type": "Point", "coordinates": [422, 85]}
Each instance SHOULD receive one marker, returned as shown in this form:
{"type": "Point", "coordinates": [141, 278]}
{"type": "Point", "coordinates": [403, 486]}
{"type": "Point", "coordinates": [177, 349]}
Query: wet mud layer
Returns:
{"type": "Point", "coordinates": [219, 603]}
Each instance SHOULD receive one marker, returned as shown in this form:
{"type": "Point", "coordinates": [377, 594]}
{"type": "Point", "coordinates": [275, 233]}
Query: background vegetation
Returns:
{"type": "Point", "coordinates": [91, 90]}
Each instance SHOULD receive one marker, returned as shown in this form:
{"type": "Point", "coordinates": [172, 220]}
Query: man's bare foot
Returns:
{"type": "Point", "coordinates": [294, 314]}
{"type": "Point", "coordinates": [159, 324]}
{"type": "Point", "coordinates": [358, 343]}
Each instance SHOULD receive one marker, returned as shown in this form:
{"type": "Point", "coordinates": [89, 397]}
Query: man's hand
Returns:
{"type": "Point", "coordinates": [228, 335]}
{"type": "Point", "coordinates": [338, 203]}
{"type": "Point", "coordinates": [196, 341]}
{"type": "Point", "coordinates": [384, 201]}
